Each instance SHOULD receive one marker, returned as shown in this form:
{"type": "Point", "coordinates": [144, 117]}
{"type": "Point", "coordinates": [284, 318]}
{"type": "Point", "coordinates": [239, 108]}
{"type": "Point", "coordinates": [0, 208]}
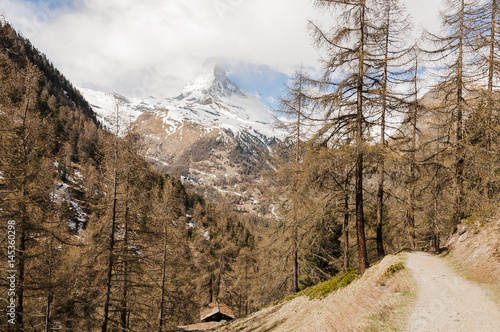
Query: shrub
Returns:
{"type": "Point", "coordinates": [393, 269]}
{"type": "Point", "coordinates": [321, 290]}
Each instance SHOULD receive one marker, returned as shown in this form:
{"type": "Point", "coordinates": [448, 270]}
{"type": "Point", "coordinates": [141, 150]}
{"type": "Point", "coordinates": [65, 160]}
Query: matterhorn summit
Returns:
{"type": "Point", "coordinates": [213, 84]}
{"type": "Point", "coordinates": [211, 100]}
{"type": "Point", "coordinates": [210, 114]}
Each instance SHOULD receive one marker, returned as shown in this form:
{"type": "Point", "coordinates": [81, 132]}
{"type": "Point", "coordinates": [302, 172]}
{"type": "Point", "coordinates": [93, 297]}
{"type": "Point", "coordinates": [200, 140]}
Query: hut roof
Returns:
{"type": "Point", "coordinates": [215, 308]}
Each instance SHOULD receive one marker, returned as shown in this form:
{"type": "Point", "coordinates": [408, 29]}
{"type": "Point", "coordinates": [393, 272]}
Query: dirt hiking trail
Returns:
{"type": "Point", "coordinates": [447, 302]}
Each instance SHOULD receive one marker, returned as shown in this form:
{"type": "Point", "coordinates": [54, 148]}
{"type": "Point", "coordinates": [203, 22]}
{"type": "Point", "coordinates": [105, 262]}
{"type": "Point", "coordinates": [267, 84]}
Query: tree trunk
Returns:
{"type": "Point", "coordinates": [295, 258]}
{"type": "Point", "coordinates": [211, 287]}
{"type": "Point", "coordinates": [246, 286]}
{"type": "Point", "coordinates": [112, 235]}
{"type": "Point", "coordinates": [295, 280]}
{"type": "Point", "coordinates": [411, 222]}
{"type": "Point", "coordinates": [435, 232]}
{"type": "Point", "coordinates": [413, 162]}
{"type": "Point", "coordinates": [49, 293]}
{"type": "Point", "coordinates": [381, 166]}
{"type": "Point", "coordinates": [360, 222]}
{"type": "Point", "coordinates": [24, 218]}
{"type": "Point", "coordinates": [164, 280]}
{"type": "Point", "coordinates": [345, 231]}
{"type": "Point", "coordinates": [490, 105]}
{"type": "Point", "coordinates": [459, 163]}
{"type": "Point", "coordinates": [110, 259]}
{"type": "Point", "coordinates": [124, 303]}
{"type": "Point", "coordinates": [412, 181]}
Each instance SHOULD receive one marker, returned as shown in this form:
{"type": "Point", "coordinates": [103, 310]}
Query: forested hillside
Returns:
{"type": "Point", "coordinates": [96, 237]}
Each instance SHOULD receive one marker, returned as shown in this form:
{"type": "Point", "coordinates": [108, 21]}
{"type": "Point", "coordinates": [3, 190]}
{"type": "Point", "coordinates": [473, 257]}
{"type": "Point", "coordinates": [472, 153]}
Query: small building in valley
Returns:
{"type": "Point", "coordinates": [212, 315]}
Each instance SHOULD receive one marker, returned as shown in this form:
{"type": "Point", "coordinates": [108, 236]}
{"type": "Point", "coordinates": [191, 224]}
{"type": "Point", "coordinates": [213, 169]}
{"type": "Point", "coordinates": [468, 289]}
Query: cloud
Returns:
{"type": "Point", "coordinates": [425, 14]}
{"type": "Point", "coordinates": [153, 47]}
{"type": "Point", "coordinates": [118, 44]}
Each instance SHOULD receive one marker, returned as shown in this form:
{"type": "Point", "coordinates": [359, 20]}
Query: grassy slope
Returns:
{"type": "Point", "coordinates": [378, 301]}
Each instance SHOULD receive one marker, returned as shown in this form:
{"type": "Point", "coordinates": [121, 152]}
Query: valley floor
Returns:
{"type": "Point", "coordinates": [446, 301]}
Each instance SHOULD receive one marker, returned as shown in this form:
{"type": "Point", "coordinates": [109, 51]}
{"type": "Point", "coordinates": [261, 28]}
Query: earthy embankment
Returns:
{"type": "Point", "coordinates": [378, 301]}
{"type": "Point", "coordinates": [474, 252]}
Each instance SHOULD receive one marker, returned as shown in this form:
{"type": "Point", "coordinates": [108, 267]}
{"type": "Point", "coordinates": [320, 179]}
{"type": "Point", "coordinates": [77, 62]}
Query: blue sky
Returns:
{"type": "Point", "coordinates": [51, 2]}
{"type": "Point", "coordinates": [153, 47]}
{"type": "Point", "coordinates": [260, 80]}
{"type": "Point", "coordinates": [51, 5]}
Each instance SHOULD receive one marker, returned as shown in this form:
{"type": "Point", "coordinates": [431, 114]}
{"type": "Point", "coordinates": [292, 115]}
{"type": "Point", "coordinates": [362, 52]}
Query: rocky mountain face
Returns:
{"type": "Point", "coordinates": [213, 134]}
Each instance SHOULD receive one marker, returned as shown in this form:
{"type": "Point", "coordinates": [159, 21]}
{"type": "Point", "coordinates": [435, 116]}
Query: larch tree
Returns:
{"type": "Point", "coordinates": [454, 54]}
{"type": "Point", "coordinates": [412, 176]}
{"type": "Point", "coordinates": [241, 293]}
{"type": "Point", "coordinates": [294, 106]}
{"type": "Point", "coordinates": [26, 173]}
{"type": "Point", "coordinates": [391, 44]}
{"type": "Point", "coordinates": [487, 47]}
{"type": "Point", "coordinates": [168, 259]}
{"type": "Point", "coordinates": [129, 182]}
{"type": "Point", "coordinates": [114, 184]}
{"type": "Point", "coordinates": [330, 177]}
{"type": "Point", "coordinates": [122, 172]}
{"type": "Point", "coordinates": [349, 77]}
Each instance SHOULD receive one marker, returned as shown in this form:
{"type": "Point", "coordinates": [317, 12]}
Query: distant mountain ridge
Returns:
{"type": "Point", "coordinates": [211, 100]}
{"type": "Point", "coordinates": [213, 131]}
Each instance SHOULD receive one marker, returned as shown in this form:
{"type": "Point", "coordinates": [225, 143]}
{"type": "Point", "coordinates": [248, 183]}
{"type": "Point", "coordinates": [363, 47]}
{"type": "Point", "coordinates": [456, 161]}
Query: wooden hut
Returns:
{"type": "Point", "coordinates": [211, 316]}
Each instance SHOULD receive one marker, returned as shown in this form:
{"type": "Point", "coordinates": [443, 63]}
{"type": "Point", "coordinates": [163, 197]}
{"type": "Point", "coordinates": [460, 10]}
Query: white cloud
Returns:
{"type": "Point", "coordinates": [425, 14]}
{"type": "Point", "coordinates": [154, 47]}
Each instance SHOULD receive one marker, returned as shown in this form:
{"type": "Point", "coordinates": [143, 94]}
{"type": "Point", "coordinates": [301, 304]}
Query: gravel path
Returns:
{"type": "Point", "coordinates": [447, 302]}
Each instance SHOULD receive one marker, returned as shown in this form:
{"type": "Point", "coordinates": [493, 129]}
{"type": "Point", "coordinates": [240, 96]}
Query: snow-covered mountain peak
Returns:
{"type": "Point", "coordinates": [219, 72]}
{"type": "Point", "coordinates": [210, 86]}
{"type": "Point", "coordinates": [211, 101]}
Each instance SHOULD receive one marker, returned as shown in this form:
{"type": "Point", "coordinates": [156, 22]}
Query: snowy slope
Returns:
{"type": "Point", "coordinates": [211, 100]}
{"type": "Point", "coordinates": [105, 105]}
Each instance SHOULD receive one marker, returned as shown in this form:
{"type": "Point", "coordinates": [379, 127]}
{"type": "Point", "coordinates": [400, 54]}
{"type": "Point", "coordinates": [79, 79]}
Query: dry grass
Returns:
{"type": "Point", "coordinates": [474, 252]}
{"type": "Point", "coordinates": [374, 302]}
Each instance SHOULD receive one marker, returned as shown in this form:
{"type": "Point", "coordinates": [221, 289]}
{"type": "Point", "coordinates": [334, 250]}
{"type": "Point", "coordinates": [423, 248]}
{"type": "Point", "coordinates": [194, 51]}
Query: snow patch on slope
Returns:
{"type": "Point", "coordinates": [61, 195]}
